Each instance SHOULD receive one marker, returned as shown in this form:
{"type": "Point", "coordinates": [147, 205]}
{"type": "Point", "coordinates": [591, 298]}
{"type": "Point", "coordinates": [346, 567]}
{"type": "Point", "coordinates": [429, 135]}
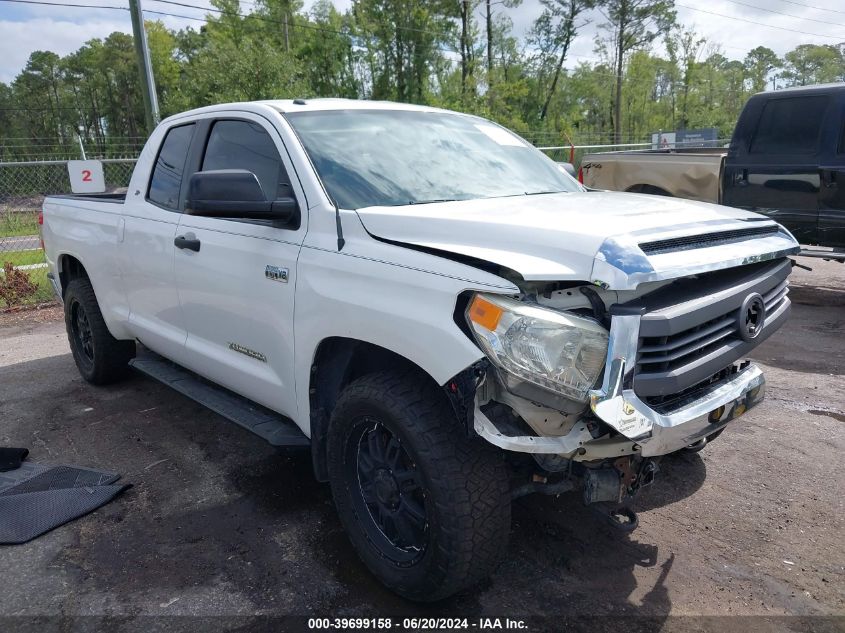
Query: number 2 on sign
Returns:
{"type": "Point", "coordinates": [86, 175]}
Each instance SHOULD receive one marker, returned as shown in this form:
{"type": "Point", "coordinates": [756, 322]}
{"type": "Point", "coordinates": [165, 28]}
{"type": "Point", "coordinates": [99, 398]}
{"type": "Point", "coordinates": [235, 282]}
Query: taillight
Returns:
{"type": "Point", "coordinates": [40, 224]}
{"type": "Point", "coordinates": [581, 175]}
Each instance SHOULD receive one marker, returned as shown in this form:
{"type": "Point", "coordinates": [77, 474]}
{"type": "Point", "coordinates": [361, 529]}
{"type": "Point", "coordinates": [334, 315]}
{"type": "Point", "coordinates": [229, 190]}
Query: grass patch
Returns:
{"type": "Point", "coordinates": [17, 223]}
{"type": "Point", "coordinates": [22, 258]}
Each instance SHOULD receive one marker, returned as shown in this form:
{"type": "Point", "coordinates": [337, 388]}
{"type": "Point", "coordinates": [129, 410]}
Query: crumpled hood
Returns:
{"type": "Point", "coordinates": [585, 236]}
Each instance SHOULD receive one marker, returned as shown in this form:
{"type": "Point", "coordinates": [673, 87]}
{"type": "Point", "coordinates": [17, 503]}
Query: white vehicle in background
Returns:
{"type": "Point", "coordinates": [435, 308]}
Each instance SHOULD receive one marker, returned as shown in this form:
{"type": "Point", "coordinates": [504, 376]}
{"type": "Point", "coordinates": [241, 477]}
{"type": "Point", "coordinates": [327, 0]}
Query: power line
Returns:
{"type": "Point", "coordinates": [68, 4]}
{"type": "Point", "coordinates": [809, 6]}
{"type": "Point", "coordinates": [769, 26]}
{"type": "Point", "coordinates": [789, 15]}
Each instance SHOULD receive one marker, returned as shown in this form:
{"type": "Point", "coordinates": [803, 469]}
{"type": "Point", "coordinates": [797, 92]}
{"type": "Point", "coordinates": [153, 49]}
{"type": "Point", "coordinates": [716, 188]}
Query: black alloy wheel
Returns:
{"type": "Point", "coordinates": [81, 331]}
{"type": "Point", "coordinates": [389, 492]}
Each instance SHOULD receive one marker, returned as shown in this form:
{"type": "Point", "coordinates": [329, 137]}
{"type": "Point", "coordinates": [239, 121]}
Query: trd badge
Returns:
{"type": "Point", "coordinates": [276, 274]}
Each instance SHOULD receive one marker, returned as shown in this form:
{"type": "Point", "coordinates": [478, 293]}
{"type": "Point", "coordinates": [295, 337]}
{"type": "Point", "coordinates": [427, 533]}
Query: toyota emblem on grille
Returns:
{"type": "Point", "coordinates": [751, 317]}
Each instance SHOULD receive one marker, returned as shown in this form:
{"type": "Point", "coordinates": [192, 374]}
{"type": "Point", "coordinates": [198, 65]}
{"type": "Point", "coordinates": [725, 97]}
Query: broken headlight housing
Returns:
{"type": "Point", "coordinates": [559, 352]}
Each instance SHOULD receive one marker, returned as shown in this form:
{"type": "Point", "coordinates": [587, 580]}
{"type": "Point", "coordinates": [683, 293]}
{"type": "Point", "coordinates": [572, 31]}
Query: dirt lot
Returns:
{"type": "Point", "coordinates": [220, 524]}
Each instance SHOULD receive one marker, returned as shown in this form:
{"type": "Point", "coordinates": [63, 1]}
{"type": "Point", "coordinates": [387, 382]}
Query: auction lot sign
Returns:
{"type": "Point", "coordinates": [86, 176]}
{"type": "Point", "coordinates": [701, 137]}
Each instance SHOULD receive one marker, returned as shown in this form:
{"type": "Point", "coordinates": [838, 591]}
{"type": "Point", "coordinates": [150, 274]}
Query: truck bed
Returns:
{"type": "Point", "coordinates": [692, 173]}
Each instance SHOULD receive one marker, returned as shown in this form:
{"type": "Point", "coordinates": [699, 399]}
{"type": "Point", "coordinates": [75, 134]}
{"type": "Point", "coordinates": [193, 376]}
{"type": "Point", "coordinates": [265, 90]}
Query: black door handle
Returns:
{"type": "Point", "coordinates": [191, 244]}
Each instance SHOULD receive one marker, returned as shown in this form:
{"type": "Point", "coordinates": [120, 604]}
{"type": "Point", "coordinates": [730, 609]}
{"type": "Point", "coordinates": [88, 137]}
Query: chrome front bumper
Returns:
{"type": "Point", "coordinates": [657, 433]}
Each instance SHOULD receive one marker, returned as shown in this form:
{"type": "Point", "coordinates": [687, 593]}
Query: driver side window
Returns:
{"type": "Point", "coordinates": [247, 145]}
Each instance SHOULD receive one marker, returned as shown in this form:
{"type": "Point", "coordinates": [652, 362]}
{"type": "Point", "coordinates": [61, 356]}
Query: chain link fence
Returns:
{"type": "Point", "coordinates": [23, 185]}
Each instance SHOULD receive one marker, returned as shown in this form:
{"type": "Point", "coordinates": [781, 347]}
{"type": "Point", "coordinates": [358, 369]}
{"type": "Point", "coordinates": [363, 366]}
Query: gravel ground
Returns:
{"type": "Point", "coordinates": [220, 524]}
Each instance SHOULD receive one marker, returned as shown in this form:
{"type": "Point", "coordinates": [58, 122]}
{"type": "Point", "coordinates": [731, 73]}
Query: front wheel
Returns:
{"type": "Point", "coordinates": [426, 508]}
{"type": "Point", "coordinates": [100, 358]}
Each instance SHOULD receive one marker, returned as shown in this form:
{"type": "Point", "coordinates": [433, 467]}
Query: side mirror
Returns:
{"type": "Point", "coordinates": [236, 193]}
{"type": "Point", "coordinates": [569, 168]}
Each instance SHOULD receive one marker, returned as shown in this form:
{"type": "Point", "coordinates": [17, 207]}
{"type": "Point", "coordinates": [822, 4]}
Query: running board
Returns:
{"type": "Point", "coordinates": [823, 254]}
{"type": "Point", "coordinates": [272, 427]}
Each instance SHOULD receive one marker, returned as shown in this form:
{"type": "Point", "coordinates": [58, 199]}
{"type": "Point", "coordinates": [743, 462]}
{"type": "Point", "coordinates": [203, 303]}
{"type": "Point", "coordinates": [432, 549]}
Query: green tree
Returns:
{"type": "Point", "coordinates": [403, 38]}
{"type": "Point", "coordinates": [759, 63]}
{"type": "Point", "coordinates": [632, 24]}
{"type": "Point", "coordinates": [811, 64]}
{"type": "Point", "coordinates": [552, 34]}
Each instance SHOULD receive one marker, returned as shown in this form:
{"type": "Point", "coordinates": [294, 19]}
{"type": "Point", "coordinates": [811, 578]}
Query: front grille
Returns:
{"type": "Point", "coordinates": [664, 353]}
{"type": "Point", "coordinates": [689, 330]}
{"type": "Point", "coordinates": [704, 240]}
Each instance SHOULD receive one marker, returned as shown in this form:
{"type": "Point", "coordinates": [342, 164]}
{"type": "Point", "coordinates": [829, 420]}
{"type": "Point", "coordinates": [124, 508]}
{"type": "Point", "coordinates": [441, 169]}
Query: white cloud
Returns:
{"type": "Point", "coordinates": [26, 28]}
{"type": "Point", "coordinates": [20, 39]}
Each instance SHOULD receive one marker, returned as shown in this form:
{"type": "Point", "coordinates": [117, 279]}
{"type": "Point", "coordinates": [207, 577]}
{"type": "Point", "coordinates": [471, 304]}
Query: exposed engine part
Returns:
{"type": "Point", "coordinates": [552, 463]}
{"type": "Point", "coordinates": [603, 484]}
{"type": "Point", "coordinates": [625, 467]}
{"type": "Point", "coordinates": [543, 487]}
{"type": "Point", "coordinates": [543, 420]}
{"type": "Point", "coordinates": [648, 470]}
{"type": "Point", "coordinates": [599, 309]}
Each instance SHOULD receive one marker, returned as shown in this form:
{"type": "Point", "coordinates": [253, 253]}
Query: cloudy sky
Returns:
{"type": "Point", "coordinates": [737, 25]}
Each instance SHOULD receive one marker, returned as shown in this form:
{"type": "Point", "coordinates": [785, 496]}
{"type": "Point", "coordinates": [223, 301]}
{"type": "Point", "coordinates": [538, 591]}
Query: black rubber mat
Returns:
{"type": "Point", "coordinates": [11, 458]}
{"type": "Point", "coordinates": [36, 498]}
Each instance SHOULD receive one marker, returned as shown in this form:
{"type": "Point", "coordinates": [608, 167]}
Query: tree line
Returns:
{"type": "Point", "coordinates": [458, 54]}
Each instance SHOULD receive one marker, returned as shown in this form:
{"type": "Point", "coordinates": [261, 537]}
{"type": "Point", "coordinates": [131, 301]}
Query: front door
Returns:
{"type": "Point", "coordinates": [237, 290]}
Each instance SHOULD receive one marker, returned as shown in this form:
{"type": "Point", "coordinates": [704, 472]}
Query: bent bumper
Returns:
{"type": "Point", "coordinates": [659, 432]}
{"type": "Point", "coordinates": [704, 413]}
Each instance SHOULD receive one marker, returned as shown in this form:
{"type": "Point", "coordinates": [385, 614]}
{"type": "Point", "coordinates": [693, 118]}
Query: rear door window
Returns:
{"type": "Point", "coordinates": [166, 180]}
{"type": "Point", "coordinates": [247, 145]}
{"type": "Point", "coordinates": [790, 126]}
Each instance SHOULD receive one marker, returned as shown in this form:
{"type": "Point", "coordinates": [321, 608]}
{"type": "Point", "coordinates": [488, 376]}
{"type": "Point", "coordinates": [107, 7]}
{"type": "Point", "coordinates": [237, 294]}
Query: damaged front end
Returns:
{"type": "Point", "coordinates": [596, 385]}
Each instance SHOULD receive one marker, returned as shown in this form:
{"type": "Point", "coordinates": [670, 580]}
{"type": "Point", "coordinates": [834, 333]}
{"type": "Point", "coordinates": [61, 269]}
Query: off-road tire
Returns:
{"type": "Point", "coordinates": [464, 482]}
{"type": "Point", "coordinates": [101, 358]}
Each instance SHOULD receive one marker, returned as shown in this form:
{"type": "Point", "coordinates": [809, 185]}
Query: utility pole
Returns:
{"type": "Point", "coordinates": [142, 50]}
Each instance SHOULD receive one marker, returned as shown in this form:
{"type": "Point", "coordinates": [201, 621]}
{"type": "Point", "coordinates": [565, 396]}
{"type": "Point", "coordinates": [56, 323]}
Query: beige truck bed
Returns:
{"type": "Point", "coordinates": [695, 174]}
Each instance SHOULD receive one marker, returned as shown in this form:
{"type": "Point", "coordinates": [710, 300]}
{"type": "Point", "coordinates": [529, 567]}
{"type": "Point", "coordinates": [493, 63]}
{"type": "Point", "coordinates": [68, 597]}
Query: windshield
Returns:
{"type": "Point", "coordinates": [392, 157]}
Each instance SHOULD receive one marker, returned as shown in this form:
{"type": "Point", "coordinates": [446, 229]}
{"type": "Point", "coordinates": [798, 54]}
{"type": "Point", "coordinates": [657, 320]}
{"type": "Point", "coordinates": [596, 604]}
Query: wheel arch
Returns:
{"type": "Point", "coordinates": [69, 268]}
{"type": "Point", "coordinates": [649, 189]}
{"type": "Point", "coordinates": [337, 362]}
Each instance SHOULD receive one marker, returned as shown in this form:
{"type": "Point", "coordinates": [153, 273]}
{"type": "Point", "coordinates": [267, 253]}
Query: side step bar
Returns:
{"type": "Point", "coordinates": [823, 253]}
{"type": "Point", "coordinates": [269, 425]}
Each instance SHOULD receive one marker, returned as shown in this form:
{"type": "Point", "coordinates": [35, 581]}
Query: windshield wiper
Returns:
{"type": "Point", "coordinates": [542, 193]}
{"type": "Point", "coordinates": [431, 201]}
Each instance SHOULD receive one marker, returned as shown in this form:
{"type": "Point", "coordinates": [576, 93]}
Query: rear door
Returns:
{"type": "Point", "coordinates": [152, 210]}
{"type": "Point", "coordinates": [775, 168]}
{"type": "Point", "coordinates": [832, 198]}
{"type": "Point", "coordinates": [237, 290]}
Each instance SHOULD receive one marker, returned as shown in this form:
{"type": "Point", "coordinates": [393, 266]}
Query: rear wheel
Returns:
{"type": "Point", "coordinates": [427, 509]}
{"type": "Point", "coordinates": [100, 358]}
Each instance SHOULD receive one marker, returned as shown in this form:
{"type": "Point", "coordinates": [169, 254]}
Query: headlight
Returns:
{"type": "Point", "coordinates": [560, 352]}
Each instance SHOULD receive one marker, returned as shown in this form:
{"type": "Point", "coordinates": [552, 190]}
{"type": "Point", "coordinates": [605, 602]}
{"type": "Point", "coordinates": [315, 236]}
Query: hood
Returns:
{"type": "Point", "coordinates": [615, 240]}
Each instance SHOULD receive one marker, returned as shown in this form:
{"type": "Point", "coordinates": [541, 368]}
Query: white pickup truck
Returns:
{"type": "Point", "coordinates": [441, 313]}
